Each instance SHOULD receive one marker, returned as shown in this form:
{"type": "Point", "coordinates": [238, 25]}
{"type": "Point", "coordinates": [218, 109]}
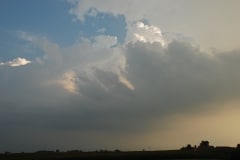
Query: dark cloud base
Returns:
{"type": "Point", "coordinates": [176, 79]}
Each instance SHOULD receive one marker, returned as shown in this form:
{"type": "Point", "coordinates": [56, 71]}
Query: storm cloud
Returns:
{"type": "Point", "coordinates": [126, 75]}
{"type": "Point", "coordinates": [81, 90]}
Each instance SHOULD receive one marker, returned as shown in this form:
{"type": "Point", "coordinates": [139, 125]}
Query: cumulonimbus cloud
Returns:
{"type": "Point", "coordinates": [16, 62]}
{"type": "Point", "coordinates": [99, 85]}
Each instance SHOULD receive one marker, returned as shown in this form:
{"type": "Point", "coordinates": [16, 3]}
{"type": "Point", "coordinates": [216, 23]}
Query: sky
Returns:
{"type": "Point", "coordinates": [128, 75]}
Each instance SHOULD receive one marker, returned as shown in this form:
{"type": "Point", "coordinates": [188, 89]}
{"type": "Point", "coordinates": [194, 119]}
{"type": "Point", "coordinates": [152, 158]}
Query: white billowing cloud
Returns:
{"type": "Point", "coordinates": [144, 33]}
{"type": "Point", "coordinates": [114, 63]}
{"type": "Point", "coordinates": [110, 59]}
{"type": "Point", "coordinates": [177, 17]}
{"type": "Point", "coordinates": [16, 62]}
{"type": "Point", "coordinates": [72, 64]}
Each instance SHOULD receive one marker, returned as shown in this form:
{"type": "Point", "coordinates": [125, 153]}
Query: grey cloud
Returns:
{"type": "Point", "coordinates": [179, 76]}
{"type": "Point", "coordinates": [176, 79]}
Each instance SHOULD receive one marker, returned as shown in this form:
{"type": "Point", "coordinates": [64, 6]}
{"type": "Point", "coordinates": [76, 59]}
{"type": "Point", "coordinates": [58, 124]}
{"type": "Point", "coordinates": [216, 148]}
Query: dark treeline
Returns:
{"type": "Point", "coordinates": [202, 151]}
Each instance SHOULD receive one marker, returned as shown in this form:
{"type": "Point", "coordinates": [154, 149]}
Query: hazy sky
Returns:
{"type": "Point", "coordinates": [127, 74]}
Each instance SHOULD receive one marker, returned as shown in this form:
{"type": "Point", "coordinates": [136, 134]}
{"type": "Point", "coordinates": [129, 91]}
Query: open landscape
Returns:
{"type": "Point", "coordinates": [131, 155]}
{"type": "Point", "coordinates": [203, 151]}
{"type": "Point", "coordinates": [119, 79]}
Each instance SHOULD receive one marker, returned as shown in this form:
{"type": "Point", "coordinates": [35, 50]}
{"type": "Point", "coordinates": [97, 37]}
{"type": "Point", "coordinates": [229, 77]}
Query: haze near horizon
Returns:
{"type": "Point", "coordinates": [128, 75]}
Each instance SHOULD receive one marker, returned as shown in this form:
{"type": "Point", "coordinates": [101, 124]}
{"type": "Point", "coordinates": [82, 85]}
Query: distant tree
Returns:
{"type": "Point", "coordinates": [204, 145]}
{"type": "Point", "coordinates": [103, 150]}
{"type": "Point", "coordinates": [7, 153]}
{"type": "Point", "coordinates": [117, 150]}
{"type": "Point", "coordinates": [188, 147]}
{"type": "Point", "coordinates": [238, 146]}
